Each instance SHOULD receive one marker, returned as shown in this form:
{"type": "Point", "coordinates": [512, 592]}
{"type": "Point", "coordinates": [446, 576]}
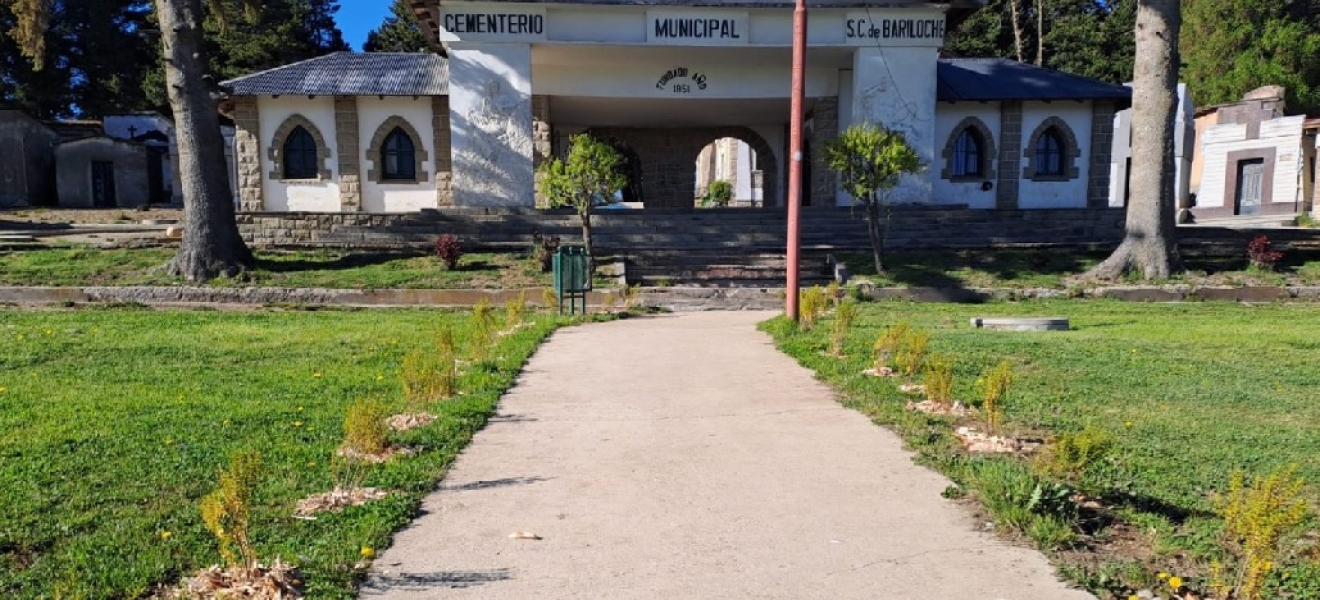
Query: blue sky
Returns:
{"type": "Point", "coordinates": [357, 17]}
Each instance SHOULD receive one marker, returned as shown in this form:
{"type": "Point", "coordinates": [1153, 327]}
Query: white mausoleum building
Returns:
{"type": "Point", "coordinates": [509, 82]}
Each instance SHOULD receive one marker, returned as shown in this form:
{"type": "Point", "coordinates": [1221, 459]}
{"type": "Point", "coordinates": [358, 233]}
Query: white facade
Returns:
{"type": "Point", "coordinates": [1282, 149]}
{"type": "Point", "coordinates": [385, 196]}
{"type": "Point", "coordinates": [972, 193]}
{"type": "Point", "coordinates": [298, 195]}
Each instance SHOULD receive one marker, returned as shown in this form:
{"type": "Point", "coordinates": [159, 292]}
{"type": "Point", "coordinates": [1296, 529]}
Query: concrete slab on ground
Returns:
{"type": "Point", "coordinates": [683, 456]}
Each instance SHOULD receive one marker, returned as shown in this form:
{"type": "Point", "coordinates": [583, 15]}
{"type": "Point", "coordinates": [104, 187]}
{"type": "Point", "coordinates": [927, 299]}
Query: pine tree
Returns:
{"type": "Point", "coordinates": [399, 33]}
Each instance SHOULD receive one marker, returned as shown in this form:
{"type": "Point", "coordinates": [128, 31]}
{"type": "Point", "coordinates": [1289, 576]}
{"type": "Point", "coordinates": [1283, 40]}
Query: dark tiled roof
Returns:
{"type": "Point", "coordinates": [997, 79]}
{"type": "Point", "coordinates": [351, 74]}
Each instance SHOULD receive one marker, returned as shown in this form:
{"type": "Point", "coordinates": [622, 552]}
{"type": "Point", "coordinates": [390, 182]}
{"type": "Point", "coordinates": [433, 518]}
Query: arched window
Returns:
{"type": "Point", "coordinates": [967, 151]}
{"type": "Point", "coordinates": [1049, 153]}
{"type": "Point", "coordinates": [298, 151]}
{"type": "Point", "coordinates": [300, 155]}
{"type": "Point", "coordinates": [400, 157]}
{"type": "Point", "coordinates": [397, 153]}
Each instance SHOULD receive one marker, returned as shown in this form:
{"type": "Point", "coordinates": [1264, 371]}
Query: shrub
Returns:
{"type": "Point", "coordinates": [939, 378]}
{"type": "Point", "coordinates": [1262, 254]}
{"type": "Point", "coordinates": [448, 250]}
{"type": "Point", "coordinates": [1021, 500]}
{"type": "Point", "coordinates": [911, 353]}
{"type": "Point", "coordinates": [227, 510]}
{"type": "Point", "coordinates": [718, 193]}
{"type": "Point", "coordinates": [365, 429]}
{"type": "Point", "coordinates": [1073, 454]}
{"type": "Point", "coordinates": [843, 321]}
{"type": "Point", "coordinates": [430, 376]}
{"type": "Point", "coordinates": [482, 331]}
{"type": "Point", "coordinates": [544, 248]}
{"type": "Point", "coordinates": [888, 344]}
{"type": "Point", "coordinates": [1258, 518]}
{"type": "Point", "coordinates": [515, 310]}
{"type": "Point", "coordinates": [811, 305]}
{"type": "Point", "coordinates": [992, 386]}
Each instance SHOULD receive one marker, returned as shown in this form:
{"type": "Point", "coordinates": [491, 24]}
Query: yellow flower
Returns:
{"type": "Point", "coordinates": [297, 423]}
{"type": "Point", "coordinates": [299, 409]}
{"type": "Point", "coordinates": [380, 378]}
{"type": "Point", "coordinates": [316, 374]}
{"type": "Point", "coordinates": [1163, 575]}
{"type": "Point", "coordinates": [2, 390]}
{"type": "Point", "coordinates": [1134, 597]}
{"type": "Point", "coordinates": [368, 553]}
{"type": "Point", "coordinates": [165, 535]}
{"type": "Point", "coordinates": [1175, 582]}
{"type": "Point", "coordinates": [1128, 424]}
{"type": "Point", "coordinates": [225, 423]}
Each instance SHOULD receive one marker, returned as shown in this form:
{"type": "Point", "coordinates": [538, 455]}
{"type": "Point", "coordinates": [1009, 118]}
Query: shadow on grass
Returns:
{"type": "Point", "coordinates": [1176, 515]}
{"type": "Point", "coordinates": [950, 269]}
{"type": "Point", "coordinates": [355, 260]}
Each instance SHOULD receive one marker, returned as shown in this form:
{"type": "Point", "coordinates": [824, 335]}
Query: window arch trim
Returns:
{"type": "Point", "coordinates": [276, 150]}
{"type": "Point", "coordinates": [1069, 149]}
{"type": "Point", "coordinates": [376, 154]}
{"type": "Point", "coordinates": [987, 150]}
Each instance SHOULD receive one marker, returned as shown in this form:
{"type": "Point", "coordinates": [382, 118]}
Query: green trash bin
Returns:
{"type": "Point", "coordinates": [572, 277]}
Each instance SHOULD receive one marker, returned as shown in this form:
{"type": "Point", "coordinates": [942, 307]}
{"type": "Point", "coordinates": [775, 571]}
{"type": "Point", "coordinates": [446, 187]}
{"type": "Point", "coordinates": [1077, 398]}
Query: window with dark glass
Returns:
{"type": "Point", "coordinates": [399, 156]}
{"type": "Point", "coordinates": [300, 155]}
{"type": "Point", "coordinates": [1049, 153]}
{"type": "Point", "coordinates": [967, 154]}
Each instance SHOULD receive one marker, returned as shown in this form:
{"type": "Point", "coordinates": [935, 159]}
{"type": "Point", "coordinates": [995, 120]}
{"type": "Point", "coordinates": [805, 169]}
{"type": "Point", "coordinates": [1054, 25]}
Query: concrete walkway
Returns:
{"type": "Point", "coordinates": [684, 457]}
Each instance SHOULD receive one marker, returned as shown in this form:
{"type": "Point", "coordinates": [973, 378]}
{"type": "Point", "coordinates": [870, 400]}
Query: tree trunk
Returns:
{"type": "Point", "coordinates": [586, 242]}
{"type": "Point", "coordinates": [1040, 33]}
{"type": "Point", "coordinates": [1017, 28]}
{"type": "Point", "coordinates": [1150, 245]}
{"type": "Point", "coordinates": [211, 244]}
{"type": "Point", "coordinates": [877, 237]}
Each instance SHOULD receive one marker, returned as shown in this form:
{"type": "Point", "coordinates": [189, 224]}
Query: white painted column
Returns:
{"type": "Point", "coordinates": [895, 87]}
{"type": "Point", "coordinates": [490, 108]}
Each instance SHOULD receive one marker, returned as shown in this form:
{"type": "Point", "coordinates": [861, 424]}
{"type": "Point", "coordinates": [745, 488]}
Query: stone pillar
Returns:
{"type": "Point", "coordinates": [247, 149]}
{"type": "Point", "coordinates": [346, 146]}
{"type": "Point", "coordinates": [1010, 155]}
{"type": "Point", "coordinates": [826, 128]}
{"type": "Point", "coordinates": [444, 162]}
{"type": "Point", "coordinates": [542, 140]}
{"type": "Point", "coordinates": [895, 87]}
{"type": "Point", "coordinates": [490, 112]}
{"type": "Point", "coordinates": [1102, 140]}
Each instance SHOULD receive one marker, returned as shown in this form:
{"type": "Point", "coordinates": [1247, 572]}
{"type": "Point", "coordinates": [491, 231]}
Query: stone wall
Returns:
{"type": "Point", "coordinates": [247, 146]}
{"type": "Point", "coordinates": [743, 229]}
{"type": "Point", "coordinates": [1010, 155]}
{"type": "Point", "coordinates": [346, 148]}
{"type": "Point", "coordinates": [825, 127]}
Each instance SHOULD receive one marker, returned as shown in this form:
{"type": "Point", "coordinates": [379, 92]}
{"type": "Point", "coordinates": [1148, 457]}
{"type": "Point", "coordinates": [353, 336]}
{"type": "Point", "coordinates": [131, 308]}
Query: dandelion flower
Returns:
{"type": "Point", "coordinates": [297, 423]}
{"type": "Point", "coordinates": [1175, 582]}
{"type": "Point", "coordinates": [316, 374]}
{"type": "Point", "coordinates": [368, 553]}
{"type": "Point", "coordinates": [1134, 597]}
{"type": "Point", "coordinates": [380, 378]}
{"type": "Point", "coordinates": [165, 535]}
{"type": "Point", "coordinates": [1162, 575]}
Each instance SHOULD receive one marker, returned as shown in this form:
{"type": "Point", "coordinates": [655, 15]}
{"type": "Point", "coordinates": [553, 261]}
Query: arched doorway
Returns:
{"type": "Point", "coordinates": [742, 157]}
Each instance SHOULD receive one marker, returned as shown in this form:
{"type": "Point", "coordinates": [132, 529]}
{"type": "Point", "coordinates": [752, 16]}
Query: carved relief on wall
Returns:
{"type": "Point", "coordinates": [495, 161]}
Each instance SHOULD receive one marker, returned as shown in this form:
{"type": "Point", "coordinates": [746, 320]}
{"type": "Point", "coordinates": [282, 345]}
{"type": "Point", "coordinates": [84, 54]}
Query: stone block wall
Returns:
{"type": "Point", "coordinates": [542, 140]}
{"type": "Point", "coordinates": [346, 148]}
{"type": "Point", "coordinates": [825, 127]}
{"type": "Point", "coordinates": [1102, 139]}
{"type": "Point", "coordinates": [1010, 155]}
{"type": "Point", "coordinates": [247, 146]}
{"type": "Point", "coordinates": [444, 161]}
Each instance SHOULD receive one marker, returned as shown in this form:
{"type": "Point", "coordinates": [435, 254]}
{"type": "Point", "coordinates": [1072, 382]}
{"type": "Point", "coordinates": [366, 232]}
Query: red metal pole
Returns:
{"type": "Point", "coordinates": [795, 155]}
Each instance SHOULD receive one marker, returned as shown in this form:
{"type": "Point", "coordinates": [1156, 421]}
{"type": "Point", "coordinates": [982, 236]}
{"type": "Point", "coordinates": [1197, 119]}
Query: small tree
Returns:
{"type": "Point", "coordinates": [870, 159]}
{"type": "Point", "coordinates": [591, 173]}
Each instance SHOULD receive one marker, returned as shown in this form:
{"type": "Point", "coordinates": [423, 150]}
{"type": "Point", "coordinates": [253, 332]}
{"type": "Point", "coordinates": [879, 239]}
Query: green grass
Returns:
{"type": "Point", "coordinates": [1190, 392]}
{"type": "Point", "coordinates": [113, 424]}
{"type": "Point", "coordinates": [1052, 268]}
{"type": "Point", "coordinates": [73, 266]}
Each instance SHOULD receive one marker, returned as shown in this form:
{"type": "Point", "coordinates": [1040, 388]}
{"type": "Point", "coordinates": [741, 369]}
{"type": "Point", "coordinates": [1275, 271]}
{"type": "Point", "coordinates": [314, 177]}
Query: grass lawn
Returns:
{"type": "Point", "coordinates": [74, 266]}
{"type": "Point", "coordinates": [113, 424]}
{"type": "Point", "coordinates": [1189, 392]}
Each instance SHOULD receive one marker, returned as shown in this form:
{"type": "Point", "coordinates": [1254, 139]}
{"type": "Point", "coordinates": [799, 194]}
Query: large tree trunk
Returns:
{"type": "Point", "coordinates": [1150, 246]}
{"type": "Point", "coordinates": [874, 231]}
{"type": "Point", "coordinates": [211, 244]}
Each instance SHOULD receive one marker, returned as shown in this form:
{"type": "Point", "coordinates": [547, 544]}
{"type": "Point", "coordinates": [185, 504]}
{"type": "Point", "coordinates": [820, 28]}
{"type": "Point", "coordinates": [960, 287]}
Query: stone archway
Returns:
{"type": "Point", "coordinates": [667, 155]}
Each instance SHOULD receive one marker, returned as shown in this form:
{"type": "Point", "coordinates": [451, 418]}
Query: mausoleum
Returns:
{"type": "Point", "coordinates": [507, 83]}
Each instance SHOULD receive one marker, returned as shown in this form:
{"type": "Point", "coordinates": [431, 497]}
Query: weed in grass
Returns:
{"type": "Point", "coordinates": [811, 305]}
{"type": "Point", "coordinates": [843, 322]}
{"type": "Point", "coordinates": [515, 311]}
{"type": "Point", "coordinates": [227, 510]}
{"type": "Point", "coordinates": [610, 301]}
{"type": "Point", "coordinates": [911, 353]}
{"type": "Point", "coordinates": [833, 293]}
{"type": "Point", "coordinates": [887, 344]}
{"type": "Point", "coordinates": [348, 472]}
{"type": "Point", "coordinates": [1072, 454]}
{"type": "Point", "coordinates": [1025, 502]}
{"type": "Point", "coordinates": [939, 378]}
{"type": "Point", "coordinates": [1306, 221]}
{"type": "Point", "coordinates": [430, 376]}
{"type": "Point", "coordinates": [992, 386]}
{"type": "Point", "coordinates": [549, 300]}
{"type": "Point", "coordinates": [365, 430]}
{"type": "Point", "coordinates": [481, 331]}
{"type": "Point", "coordinates": [1258, 518]}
